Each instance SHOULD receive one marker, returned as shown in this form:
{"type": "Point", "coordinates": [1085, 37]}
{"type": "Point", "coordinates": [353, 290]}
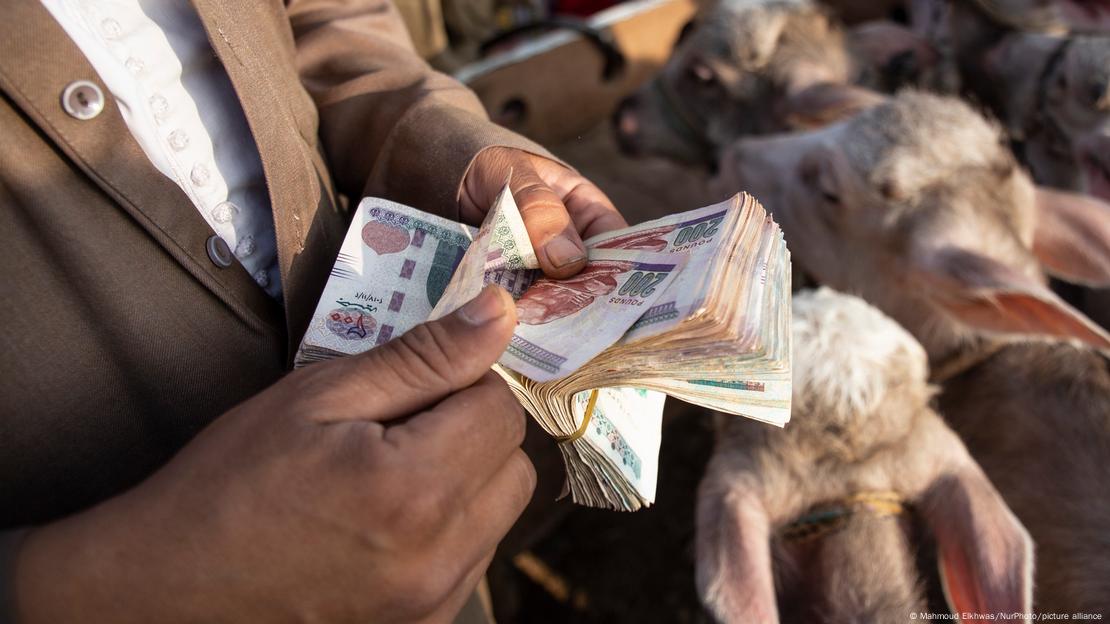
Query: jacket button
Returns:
{"type": "Point", "coordinates": [219, 253]}
{"type": "Point", "coordinates": [83, 99]}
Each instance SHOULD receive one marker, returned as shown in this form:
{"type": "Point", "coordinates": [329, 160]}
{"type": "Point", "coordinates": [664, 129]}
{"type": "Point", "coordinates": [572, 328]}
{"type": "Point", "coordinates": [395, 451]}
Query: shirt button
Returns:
{"type": "Point", "coordinates": [110, 28]}
{"type": "Point", "coordinates": [83, 99]}
{"type": "Point", "coordinates": [224, 212]}
{"type": "Point", "coordinates": [159, 105]}
{"type": "Point", "coordinates": [134, 65]}
{"type": "Point", "coordinates": [200, 175]}
{"type": "Point", "coordinates": [179, 140]}
{"type": "Point", "coordinates": [245, 247]}
{"type": "Point", "coordinates": [218, 252]}
{"type": "Point", "coordinates": [262, 278]}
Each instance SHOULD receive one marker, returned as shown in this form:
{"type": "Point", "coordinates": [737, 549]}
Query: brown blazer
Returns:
{"type": "Point", "coordinates": [121, 338]}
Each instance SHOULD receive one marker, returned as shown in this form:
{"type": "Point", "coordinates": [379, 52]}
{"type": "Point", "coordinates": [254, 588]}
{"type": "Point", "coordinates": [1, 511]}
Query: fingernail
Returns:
{"type": "Point", "coordinates": [487, 306]}
{"type": "Point", "coordinates": [562, 251]}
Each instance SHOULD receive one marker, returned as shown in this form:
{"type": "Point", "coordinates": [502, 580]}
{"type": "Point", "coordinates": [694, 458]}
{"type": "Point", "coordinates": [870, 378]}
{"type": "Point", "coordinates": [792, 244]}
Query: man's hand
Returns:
{"type": "Point", "coordinates": [559, 207]}
{"type": "Point", "coordinates": [368, 489]}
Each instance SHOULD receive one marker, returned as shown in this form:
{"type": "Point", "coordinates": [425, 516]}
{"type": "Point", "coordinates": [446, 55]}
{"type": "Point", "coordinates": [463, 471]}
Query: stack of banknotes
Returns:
{"type": "Point", "coordinates": [694, 305]}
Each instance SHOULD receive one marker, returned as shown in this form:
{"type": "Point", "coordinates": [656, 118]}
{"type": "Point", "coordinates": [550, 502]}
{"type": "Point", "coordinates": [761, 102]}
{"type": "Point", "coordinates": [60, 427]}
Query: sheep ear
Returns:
{"type": "Point", "coordinates": [985, 554]}
{"type": "Point", "coordinates": [826, 103]}
{"type": "Point", "coordinates": [985, 294]}
{"type": "Point", "coordinates": [1072, 238]}
{"type": "Point", "coordinates": [734, 575]}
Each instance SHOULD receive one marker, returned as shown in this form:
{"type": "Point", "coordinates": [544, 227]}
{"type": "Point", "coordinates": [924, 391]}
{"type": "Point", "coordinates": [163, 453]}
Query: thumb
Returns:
{"type": "Point", "coordinates": [550, 228]}
{"type": "Point", "coordinates": [424, 365]}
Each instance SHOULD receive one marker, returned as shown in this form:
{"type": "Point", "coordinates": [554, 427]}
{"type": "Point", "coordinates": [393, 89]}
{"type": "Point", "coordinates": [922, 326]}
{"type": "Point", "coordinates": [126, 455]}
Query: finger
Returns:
{"type": "Point", "coordinates": [550, 228]}
{"type": "Point", "coordinates": [419, 369]}
{"type": "Point", "coordinates": [450, 608]}
{"type": "Point", "coordinates": [475, 527]}
{"type": "Point", "coordinates": [591, 210]}
{"type": "Point", "coordinates": [470, 435]}
{"type": "Point", "coordinates": [487, 516]}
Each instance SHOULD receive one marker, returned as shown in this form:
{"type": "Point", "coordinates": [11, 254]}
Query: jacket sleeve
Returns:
{"type": "Point", "coordinates": [390, 125]}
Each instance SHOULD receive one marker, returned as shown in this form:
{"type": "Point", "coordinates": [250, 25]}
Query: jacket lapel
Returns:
{"type": "Point", "coordinates": [37, 61]}
{"type": "Point", "coordinates": [255, 46]}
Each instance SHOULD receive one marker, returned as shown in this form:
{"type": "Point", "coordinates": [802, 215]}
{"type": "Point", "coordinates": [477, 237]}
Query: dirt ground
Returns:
{"type": "Point", "coordinates": [604, 566]}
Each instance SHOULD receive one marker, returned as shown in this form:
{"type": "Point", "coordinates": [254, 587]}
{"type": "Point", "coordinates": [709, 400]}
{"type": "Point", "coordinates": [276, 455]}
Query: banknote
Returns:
{"type": "Point", "coordinates": [564, 323]}
{"type": "Point", "coordinates": [393, 267]}
{"type": "Point", "coordinates": [697, 234]}
{"type": "Point", "coordinates": [501, 254]}
{"type": "Point", "coordinates": [626, 425]}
